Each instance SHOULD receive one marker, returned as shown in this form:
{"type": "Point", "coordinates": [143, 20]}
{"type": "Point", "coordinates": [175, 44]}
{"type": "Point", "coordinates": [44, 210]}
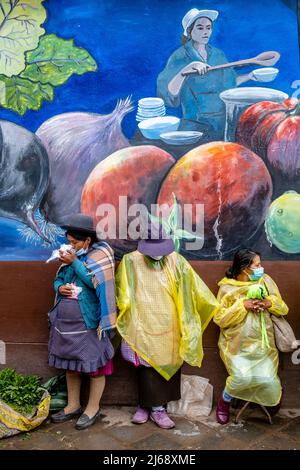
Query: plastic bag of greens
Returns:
{"type": "Point", "coordinates": [24, 404]}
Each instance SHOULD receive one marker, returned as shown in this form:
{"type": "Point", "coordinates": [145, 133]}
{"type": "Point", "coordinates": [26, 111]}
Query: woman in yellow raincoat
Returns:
{"type": "Point", "coordinates": [247, 344]}
{"type": "Point", "coordinates": [164, 307]}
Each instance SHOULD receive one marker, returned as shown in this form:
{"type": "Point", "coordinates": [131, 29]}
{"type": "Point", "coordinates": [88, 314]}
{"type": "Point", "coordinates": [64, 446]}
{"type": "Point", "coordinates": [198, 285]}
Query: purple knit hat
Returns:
{"type": "Point", "coordinates": [157, 243]}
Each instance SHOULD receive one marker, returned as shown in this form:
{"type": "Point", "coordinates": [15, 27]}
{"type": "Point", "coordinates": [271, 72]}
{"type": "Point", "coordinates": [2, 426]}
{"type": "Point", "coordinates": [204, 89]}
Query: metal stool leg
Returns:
{"type": "Point", "coordinates": [267, 413]}
{"type": "Point", "coordinates": [241, 412]}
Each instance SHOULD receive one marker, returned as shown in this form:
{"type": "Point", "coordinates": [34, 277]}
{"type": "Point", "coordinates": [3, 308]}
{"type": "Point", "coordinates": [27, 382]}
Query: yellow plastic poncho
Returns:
{"type": "Point", "coordinates": [164, 309]}
{"type": "Point", "coordinates": [247, 345]}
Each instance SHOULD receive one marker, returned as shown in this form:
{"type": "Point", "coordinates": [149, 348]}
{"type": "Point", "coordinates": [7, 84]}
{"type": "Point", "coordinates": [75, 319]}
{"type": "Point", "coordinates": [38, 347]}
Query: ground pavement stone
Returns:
{"type": "Point", "coordinates": [38, 440]}
{"type": "Point", "coordinates": [214, 441]}
{"type": "Point", "coordinates": [245, 431]}
{"type": "Point", "coordinates": [276, 442]}
{"type": "Point", "coordinates": [293, 429]}
{"type": "Point", "coordinates": [131, 434]}
{"type": "Point", "coordinates": [158, 440]}
{"type": "Point", "coordinates": [96, 440]}
{"type": "Point", "coordinates": [114, 430]}
{"type": "Point", "coordinates": [187, 432]}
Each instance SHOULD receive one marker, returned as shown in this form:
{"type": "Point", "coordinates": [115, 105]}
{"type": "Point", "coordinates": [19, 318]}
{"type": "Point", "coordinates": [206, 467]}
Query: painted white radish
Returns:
{"type": "Point", "coordinates": [76, 142]}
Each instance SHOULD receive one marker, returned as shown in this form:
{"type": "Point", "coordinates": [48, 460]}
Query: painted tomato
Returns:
{"type": "Point", "coordinates": [272, 131]}
{"type": "Point", "coordinates": [135, 173]}
{"type": "Point", "coordinates": [234, 186]}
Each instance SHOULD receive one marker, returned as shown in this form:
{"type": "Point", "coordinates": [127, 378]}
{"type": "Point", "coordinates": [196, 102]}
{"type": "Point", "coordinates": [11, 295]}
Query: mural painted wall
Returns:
{"type": "Point", "coordinates": [151, 100]}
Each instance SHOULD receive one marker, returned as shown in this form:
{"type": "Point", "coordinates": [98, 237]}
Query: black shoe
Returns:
{"type": "Point", "coordinates": [61, 416]}
{"type": "Point", "coordinates": [85, 421]}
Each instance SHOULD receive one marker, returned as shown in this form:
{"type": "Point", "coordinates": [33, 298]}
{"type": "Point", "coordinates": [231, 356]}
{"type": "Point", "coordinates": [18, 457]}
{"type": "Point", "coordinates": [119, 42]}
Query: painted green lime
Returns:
{"type": "Point", "coordinates": [282, 223]}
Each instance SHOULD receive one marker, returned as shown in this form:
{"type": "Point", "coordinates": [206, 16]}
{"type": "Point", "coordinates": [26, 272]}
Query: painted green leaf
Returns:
{"type": "Point", "coordinates": [56, 59]}
{"type": "Point", "coordinates": [19, 94]}
{"type": "Point", "coordinates": [177, 244]}
{"type": "Point", "coordinates": [179, 233]}
{"type": "Point", "coordinates": [160, 220]}
{"type": "Point", "coordinates": [20, 30]}
{"type": "Point", "coordinates": [173, 219]}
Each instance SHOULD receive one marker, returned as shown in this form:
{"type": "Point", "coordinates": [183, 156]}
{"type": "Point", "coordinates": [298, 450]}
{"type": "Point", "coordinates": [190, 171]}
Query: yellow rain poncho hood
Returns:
{"type": "Point", "coordinates": [247, 345]}
{"type": "Point", "coordinates": [164, 308]}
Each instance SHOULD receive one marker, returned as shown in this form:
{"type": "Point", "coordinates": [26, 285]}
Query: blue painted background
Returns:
{"type": "Point", "coordinates": [131, 41]}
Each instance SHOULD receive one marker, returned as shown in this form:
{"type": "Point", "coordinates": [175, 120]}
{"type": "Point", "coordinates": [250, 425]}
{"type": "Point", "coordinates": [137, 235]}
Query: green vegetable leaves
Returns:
{"type": "Point", "coordinates": [31, 65]}
{"type": "Point", "coordinates": [20, 30]}
{"type": "Point", "coordinates": [20, 94]}
{"type": "Point", "coordinates": [20, 392]}
{"type": "Point", "coordinates": [172, 226]}
{"type": "Point", "coordinates": [56, 59]}
{"type": "Point", "coordinates": [51, 64]}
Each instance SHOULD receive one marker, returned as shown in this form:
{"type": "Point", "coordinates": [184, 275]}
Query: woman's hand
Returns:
{"type": "Point", "coordinates": [176, 83]}
{"type": "Point", "coordinates": [252, 305]}
{"type": "Point", "coordinates": [67, 257]}
{"type": "Point", "coordinates": [265, 304]}
{"type": "Point", "coordinates": [200, 67]}
{"type": "Point", "coordinates": [65, 290]}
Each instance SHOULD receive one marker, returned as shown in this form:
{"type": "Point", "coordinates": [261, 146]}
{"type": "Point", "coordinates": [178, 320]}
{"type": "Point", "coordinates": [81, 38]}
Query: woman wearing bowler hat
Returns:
{"type": "Point", "coordinates": [164, 307]}
{"type": "Point", "coordinates": [83, 317]}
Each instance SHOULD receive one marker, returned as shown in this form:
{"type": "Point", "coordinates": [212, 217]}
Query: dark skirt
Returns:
{"type": "Point", "coordinates": [71, 345]}
{"type": "Point", "coordinates": [154, 390]}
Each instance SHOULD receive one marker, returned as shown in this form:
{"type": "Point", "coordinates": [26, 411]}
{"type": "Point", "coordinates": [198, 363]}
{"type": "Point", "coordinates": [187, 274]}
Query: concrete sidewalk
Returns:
{"type": "Point", "coordinates": [113, 430]}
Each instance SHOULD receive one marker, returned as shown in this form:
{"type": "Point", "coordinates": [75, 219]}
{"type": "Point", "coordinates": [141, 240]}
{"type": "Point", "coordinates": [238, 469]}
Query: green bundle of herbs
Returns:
{"type": "Point", "coordinates": [20, 392]}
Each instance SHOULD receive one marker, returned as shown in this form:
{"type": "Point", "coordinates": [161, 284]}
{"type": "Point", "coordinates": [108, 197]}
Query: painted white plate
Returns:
{"type": "Point", "coordinates": [266, 74]}
{"type": "Point", "coordinates": [152, 128]}
{"type": "Point", "coordinates": [149, 111]}
{"type": "Point", "coordinates": [151, 102]}
{"type": "Point", "coordinates": [141, 117]}
{"type": "Point", "coordinates": [155, 113]}
{"type": "Point", "coordinates": [181, 137]}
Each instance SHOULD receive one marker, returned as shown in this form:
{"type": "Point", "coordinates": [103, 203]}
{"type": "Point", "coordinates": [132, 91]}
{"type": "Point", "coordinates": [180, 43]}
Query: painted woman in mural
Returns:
{"type": "Point", "coordinates": [198, 93]}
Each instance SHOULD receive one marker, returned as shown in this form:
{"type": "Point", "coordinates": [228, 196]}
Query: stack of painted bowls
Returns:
{"type": "Point", "coordinates": [149, 108]}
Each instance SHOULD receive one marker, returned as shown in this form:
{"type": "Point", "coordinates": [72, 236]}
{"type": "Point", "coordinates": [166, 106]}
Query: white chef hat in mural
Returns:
{"type": "Point", "coordinates": [193, 14]}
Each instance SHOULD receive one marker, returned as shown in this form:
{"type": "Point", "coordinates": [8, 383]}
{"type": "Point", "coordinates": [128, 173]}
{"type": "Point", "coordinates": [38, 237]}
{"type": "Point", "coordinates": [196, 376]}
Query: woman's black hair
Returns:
{"type": "Point", "coordinates": [82, 235]}
{"type": "Point", "coordinates": [241, 260]}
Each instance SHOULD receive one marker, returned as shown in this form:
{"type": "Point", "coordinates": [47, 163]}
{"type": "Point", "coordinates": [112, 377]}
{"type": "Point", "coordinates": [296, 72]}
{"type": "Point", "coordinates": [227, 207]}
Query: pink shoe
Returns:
{"type": "Point", "coordinates": [162, 419]}
{"type": "Point", "coordinates": [141, 416]}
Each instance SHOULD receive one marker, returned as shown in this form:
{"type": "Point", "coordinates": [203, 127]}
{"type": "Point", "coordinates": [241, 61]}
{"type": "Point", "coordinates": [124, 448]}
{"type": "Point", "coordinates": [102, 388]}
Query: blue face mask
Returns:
{"type": "Point", "coordinates": [81, 252]}
{"type": "Point", "coordinates": [257, 274]}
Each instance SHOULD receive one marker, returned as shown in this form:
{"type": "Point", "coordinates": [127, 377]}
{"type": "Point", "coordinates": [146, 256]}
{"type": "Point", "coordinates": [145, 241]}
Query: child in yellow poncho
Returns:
{"type": "Point", "coordinates": [247, 345]}
{"type": "Point", "coordinates": [164, 308]}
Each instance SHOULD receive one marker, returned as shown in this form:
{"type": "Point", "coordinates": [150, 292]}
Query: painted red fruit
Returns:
{"type": "Point", "coordinates": [235, 187]}
{"type": "Point", "coordinates": [135, 173]}
{"type": "Point", "coordinates": [272, 131]}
